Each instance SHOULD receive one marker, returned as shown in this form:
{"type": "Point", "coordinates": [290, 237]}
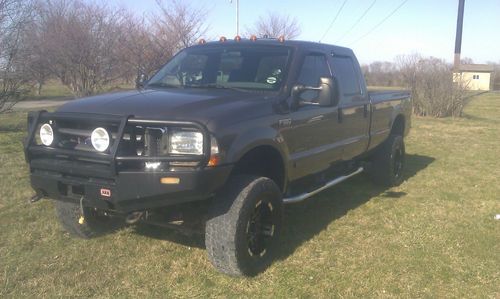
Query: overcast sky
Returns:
{"type": "Point", "coordinates": [423, 26]}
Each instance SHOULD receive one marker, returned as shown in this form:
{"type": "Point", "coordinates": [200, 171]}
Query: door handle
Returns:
{"type": "Point", "coordinates": [365, 111]}
{"type": "Point", "coordinates": [340, 115]}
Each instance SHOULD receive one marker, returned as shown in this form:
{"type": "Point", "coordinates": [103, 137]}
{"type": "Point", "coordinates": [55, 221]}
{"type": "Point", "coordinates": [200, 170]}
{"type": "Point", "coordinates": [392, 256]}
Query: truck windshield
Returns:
{"type": "Point", "coordinates": [248, 68]}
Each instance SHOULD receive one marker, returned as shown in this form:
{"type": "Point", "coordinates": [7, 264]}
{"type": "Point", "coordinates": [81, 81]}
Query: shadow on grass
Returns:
{"type": "Point", "coordinates": [306, 219]}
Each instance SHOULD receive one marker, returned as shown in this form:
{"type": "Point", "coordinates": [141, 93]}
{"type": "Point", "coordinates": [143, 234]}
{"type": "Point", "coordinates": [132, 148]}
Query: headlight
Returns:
{"type": "Point", "coordinates": [186, 142]}
{"type": "Point", "coordinates": [100, 139]}
{"type": "Point", "coordinates": [46, 134]}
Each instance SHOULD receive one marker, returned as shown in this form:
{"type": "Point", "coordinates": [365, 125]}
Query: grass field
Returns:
{"type": "Point", "coordinates": [434, 236]}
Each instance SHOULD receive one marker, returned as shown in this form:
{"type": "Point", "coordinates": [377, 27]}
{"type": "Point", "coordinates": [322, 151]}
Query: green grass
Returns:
{"type": "Point", "coordinates": [433, 236]}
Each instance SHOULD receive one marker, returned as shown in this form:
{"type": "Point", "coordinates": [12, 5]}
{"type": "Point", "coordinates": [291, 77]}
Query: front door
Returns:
{"type": "Point", "coordinates": [311, 134]}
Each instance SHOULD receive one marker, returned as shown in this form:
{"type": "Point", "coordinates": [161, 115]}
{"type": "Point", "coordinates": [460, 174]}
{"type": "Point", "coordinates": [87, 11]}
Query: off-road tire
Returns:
{"type": "Point", "coordinates": [94, 223]}
{"type": "Point", "coordinates": [388, 162]}
{"type": "Point", "coordinates": [230, 226]}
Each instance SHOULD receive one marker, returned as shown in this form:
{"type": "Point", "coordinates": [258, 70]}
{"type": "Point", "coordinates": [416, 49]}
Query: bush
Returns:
{"type": "Point", "coordinates": [433, 89]}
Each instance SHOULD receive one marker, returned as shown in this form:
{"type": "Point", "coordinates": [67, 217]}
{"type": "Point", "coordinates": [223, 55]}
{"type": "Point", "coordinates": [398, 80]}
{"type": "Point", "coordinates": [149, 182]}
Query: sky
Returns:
{"type": "Point", "coordinates": [419, 26]}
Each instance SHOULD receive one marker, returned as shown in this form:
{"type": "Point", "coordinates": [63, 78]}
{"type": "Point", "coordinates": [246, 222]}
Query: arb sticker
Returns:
{"type": "Point", "coordinates": [105, 192]}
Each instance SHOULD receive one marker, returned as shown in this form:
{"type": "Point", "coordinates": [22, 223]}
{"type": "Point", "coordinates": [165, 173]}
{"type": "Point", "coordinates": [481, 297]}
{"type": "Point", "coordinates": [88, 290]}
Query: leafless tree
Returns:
{"type": "Point", "coordinates": [148, 42]}
{"type": "Point", "coordinates": [177, 25]}
{"type": "Point", "coordinates": [274, 25]}
{"type": "Point", "coordinates": [495, 76]}
{"type": "Point", "coordinates": [434, 90]}
{"type": "Point", "coordinates": [14, 16]}
{"type": "Point", "coordinates": [80, 41]}
{"type": "Point", "coordinates": [382, 73]}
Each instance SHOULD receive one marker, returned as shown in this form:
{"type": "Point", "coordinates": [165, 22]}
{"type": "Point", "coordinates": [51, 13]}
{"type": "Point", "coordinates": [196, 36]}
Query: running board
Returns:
{"type": "Point", "coordinates": [334, 182]}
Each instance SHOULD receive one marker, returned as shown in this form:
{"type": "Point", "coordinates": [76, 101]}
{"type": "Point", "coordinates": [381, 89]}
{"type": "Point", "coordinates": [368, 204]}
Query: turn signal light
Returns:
{"type": "Point", "coordinates": [214, 160]}
{"type": "Point", "coordinates": [170, 181]}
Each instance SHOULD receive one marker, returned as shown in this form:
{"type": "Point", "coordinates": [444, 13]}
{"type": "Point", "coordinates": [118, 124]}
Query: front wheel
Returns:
{"type": "Point", "coordinates": [244, 225]}
{"type": "Point", "coordinates": [388, 162]}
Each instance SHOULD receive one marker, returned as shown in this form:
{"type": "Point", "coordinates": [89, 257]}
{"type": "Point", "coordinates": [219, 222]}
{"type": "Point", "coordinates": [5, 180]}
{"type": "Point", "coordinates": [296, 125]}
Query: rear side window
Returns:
{"type": "Point", "coordinates": [343, 68]}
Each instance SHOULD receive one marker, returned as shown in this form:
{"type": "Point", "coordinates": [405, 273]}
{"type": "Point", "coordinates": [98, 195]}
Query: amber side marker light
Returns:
{"type": "Point", "coordinates": [170, 181]}
{"type": "Point", "coordinates": [214, 160]}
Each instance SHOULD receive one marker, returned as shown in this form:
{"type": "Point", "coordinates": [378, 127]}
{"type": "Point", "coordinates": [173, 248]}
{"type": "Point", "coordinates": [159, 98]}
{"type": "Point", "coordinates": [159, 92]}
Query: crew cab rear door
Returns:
{"type": "Point", "coordinates": [354, 106]}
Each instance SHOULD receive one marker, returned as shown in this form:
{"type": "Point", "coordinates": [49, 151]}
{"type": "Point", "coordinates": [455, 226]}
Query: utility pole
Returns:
{"type": "Point", "coordinates": [458, 38]}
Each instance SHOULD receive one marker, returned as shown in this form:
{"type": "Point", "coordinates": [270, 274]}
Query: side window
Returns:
{"type": "Point", "coordinates": [345, 73]}
{"type": "Point", "coordinates": [313, 68]}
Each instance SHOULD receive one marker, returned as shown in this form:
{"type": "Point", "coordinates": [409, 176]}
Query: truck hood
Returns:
{"type": "Point", "coordinates": [202, 105]}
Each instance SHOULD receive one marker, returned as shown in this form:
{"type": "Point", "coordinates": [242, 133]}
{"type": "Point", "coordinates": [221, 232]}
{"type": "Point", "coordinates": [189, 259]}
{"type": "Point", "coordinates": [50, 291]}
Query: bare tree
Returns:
{"type": "Point", "coordinates": [14, 15]}
{"type": "Point", "coordinates": [434, 90]}
{"type": "Point", "coordinates": [274, 25]}
{"type": "Point", "coordinates": [81, 42]}
{"type": "Point", "coordinates": [178, 25]}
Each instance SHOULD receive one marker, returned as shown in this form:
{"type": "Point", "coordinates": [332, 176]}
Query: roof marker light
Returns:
{"type": "Point", "coordinates": [237, 38]}
{"type": "Point", "coordinates": [223, 39]}
{"type": "Point", "coordinates": [202, 41]}
{"type": "Point", "coordinates": [253, 38]}
{"type": "Point", "coordinates": [281, 39]}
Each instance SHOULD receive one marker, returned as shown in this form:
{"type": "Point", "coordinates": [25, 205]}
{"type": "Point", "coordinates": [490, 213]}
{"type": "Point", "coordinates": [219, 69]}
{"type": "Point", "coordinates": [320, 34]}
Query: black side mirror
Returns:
{"type": "Point", "coordinates": [141, 80]}
{"type": "Point", "coordinates": [327, 93]}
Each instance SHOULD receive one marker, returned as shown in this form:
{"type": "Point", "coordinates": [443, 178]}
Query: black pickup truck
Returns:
{"type": "Point", "coordinates": [218, 140]}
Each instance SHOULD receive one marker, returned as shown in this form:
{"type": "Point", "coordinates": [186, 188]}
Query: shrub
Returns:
{"type": "Point", "coordinates": [433, 89]}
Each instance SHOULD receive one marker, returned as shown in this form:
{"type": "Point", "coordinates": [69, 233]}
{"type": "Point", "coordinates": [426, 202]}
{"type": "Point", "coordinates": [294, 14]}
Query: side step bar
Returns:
{"type": "Point", "coordinates": [334, 182]}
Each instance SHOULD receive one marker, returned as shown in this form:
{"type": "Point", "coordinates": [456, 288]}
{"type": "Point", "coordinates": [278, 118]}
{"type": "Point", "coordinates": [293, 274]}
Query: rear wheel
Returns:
{"type": "Point", "coordinates": [244, 225]}
{"type": "Point", "coordinates": [388, 162]}
{"type": "Point", "coordinates": [92, 223]}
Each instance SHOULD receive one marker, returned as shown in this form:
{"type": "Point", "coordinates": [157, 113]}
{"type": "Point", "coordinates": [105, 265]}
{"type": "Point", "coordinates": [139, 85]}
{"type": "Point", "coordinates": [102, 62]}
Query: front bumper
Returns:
{"type": "Point", "coordinates": [116, 179]}
{"type": "Point", "coordinates": [128, 191]}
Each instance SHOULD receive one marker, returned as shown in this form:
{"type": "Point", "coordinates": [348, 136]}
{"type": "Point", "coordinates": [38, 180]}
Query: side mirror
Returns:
{"type": "Point", "coordinates": [141, 80]}
{"type": "Point", "coordinates": [326, 93]}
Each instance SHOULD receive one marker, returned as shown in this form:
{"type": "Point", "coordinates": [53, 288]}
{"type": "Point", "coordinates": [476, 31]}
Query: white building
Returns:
{"type": "Point", "coordinates": [475, 76]}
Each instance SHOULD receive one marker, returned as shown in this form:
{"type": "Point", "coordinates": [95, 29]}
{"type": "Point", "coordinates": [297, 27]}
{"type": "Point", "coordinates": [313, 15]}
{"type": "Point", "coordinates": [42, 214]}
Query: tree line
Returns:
{"type": "Point", "coordinates": [431, 81]}
{"type": "Point", "coordinates": [88, 45]}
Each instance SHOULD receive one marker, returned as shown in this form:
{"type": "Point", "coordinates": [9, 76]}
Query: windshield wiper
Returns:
{"type": "Point", "coordinates": [217, 85]}
{"type": "Point", "coordinates": [164, 85]}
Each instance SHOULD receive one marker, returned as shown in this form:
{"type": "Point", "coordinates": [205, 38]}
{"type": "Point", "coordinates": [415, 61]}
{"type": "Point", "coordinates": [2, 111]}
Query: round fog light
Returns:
{"type": "Point", "coordinates": [100, 139]}
{"type": "Point", "coordinates": [46, 134]}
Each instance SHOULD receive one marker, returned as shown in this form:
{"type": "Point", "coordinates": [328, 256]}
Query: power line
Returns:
{"type": "Point", "coordinates": [381, 22]}
{"type": "Point", "coordinates": [334, 19]}
{"type": "Point", "coordinates": [357, 21]}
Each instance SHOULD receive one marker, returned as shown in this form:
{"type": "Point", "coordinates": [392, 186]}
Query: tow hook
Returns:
{"type": "Point", "coordinates": [35, 198]}
{"type": "Point", "coordinates": [134, 217]}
